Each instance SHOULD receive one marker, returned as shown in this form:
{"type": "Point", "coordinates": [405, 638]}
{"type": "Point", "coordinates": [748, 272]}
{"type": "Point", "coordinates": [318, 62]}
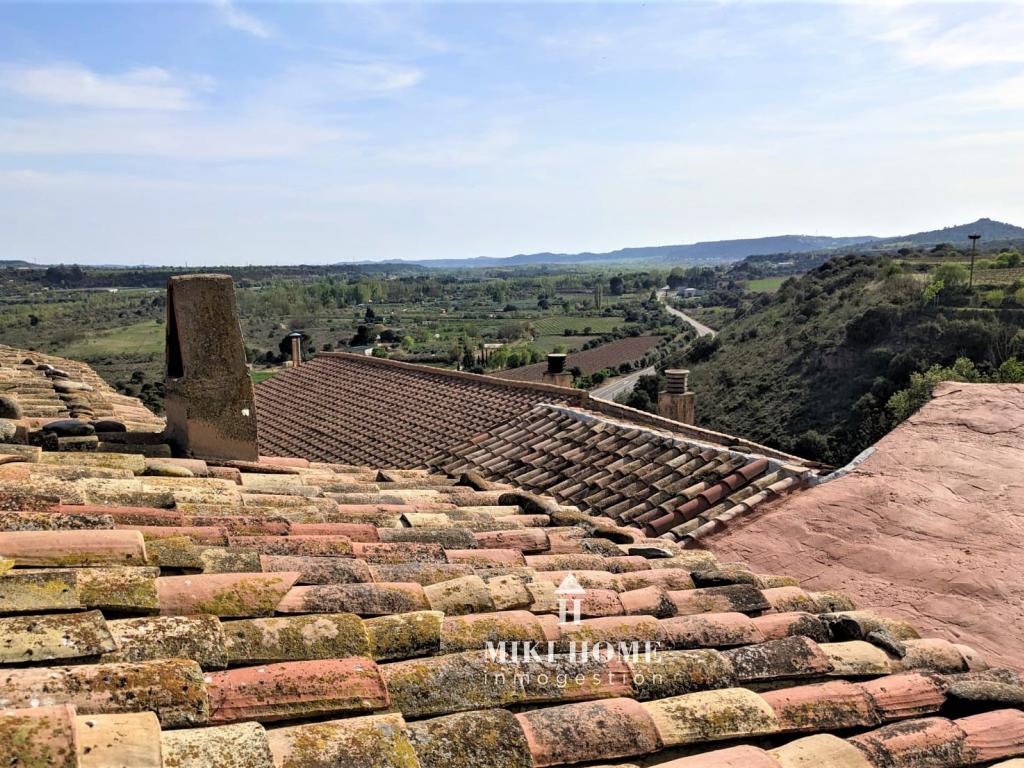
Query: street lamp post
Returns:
{"type": "Point", "coordinates": [974, 251]}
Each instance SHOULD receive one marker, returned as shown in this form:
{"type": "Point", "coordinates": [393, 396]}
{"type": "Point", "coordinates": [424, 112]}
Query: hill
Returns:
{"type": "Point", "coordinates": [988, 229]}
{"type": "Point", "coordinates": [811, 368]}
{"type": "Point", "coordinates": [993, 235]}
{"type": "Point", "coordinates": [809, 250]}
{"type": "Point", "coordinates": [707, 252]}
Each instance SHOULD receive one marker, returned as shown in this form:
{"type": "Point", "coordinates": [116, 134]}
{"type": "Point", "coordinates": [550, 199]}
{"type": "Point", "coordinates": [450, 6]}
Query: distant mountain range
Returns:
{"type": "Point", "coordinates": [706, 252]}
{"type": "Point", "coordinates": [719, 251]}
{"type": "Point", "coordinates": [711, 252]}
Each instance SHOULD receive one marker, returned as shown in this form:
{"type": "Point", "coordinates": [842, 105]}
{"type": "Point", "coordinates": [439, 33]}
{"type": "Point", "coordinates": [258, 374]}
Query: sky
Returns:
{"type": "Point", "coordinates": [221, 132]}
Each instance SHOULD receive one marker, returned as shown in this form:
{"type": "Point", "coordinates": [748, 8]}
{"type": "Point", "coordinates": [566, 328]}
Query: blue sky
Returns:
{"type": "Point", "coordinates": [221, 132]}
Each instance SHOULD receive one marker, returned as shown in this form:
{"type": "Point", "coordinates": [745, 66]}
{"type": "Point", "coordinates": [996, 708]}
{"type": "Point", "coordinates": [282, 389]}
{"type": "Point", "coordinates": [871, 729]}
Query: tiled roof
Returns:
{"type": "Point", "coordinates": [589, 361]}
{"type": "Point", "coordinates": [169, 613]}
{"type": "Point", "coordinates": [928, 526]}
{"type": "Point", "coordinates": [667, 484]}
{"type": "Point", "coordinates": [358, 410]}
{"type": "Point", "coordinates": [48, 387]}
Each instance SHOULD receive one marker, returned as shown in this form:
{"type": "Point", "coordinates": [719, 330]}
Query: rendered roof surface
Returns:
{"type": "Point", "coordinates": [929, 526]}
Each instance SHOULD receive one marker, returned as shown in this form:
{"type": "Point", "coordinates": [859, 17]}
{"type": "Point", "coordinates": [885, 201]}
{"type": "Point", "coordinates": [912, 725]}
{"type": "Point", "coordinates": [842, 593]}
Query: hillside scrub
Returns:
{"type": "Point", "coordinates": [835, 358]}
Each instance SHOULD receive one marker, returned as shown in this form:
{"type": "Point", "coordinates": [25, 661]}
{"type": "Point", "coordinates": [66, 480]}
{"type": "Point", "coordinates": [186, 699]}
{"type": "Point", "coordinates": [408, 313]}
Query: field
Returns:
{"type": "Point", "coordinates": [556, 326]}
{"type": "Point", "coordinates": [258, 376]}
{"type": "Point", "coordinates": [114, 319]}
{"type": "Point", "coordinates": [143, 338]}
{"type": "Point", "coordinates": [765, 284]}
{"type": "Point", "coordinates": [605, 356]}
{"type": "Point", "coordinates": [998, 276]}
{"type": "Point", "coordinates": [559, 343]}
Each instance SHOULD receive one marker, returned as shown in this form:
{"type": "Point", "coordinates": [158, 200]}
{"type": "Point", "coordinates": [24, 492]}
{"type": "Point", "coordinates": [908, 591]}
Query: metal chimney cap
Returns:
{"type": "Point", "coordinates": [678, 380]}
{"type": "Point", "coordinates": [556, 362]}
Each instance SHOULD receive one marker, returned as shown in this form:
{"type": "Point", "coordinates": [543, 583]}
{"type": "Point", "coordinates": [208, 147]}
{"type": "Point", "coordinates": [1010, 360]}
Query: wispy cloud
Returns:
{"type": "Point", "coordinates": [371, 76]}
{"type": "Point", "coordinates": [149, 88]}
{"type": "Point", "coordinates": [986, 35]}
{"type": "Point", "coordinates": [238, 19]}
{"type": "Point", "coordinates": [341, 76]}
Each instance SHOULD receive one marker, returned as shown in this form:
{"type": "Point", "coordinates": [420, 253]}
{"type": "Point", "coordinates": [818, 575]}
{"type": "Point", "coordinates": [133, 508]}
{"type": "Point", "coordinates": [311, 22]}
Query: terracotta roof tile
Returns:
{"type": "Point", "coordinates": [349, 409]}
{"type": "Point", "coordinates": [669, 485]}
{"type": "Point", "coordinates": [385, 648]}
{"type": "Point", "coordinates": [49, 388]}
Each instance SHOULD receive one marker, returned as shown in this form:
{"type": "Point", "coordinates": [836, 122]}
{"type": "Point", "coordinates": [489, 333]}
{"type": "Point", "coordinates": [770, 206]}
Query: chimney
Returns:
{"type": "Point", "coordinates": [208, 392]}
{"type": "Point", "coordinates": [556, 373]}
{"type": "Point", "coordinates": [677, 401]}
{"type": "Point", "coordinates": [296, 339]}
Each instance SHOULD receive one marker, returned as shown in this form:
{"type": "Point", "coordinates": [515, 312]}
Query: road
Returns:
{"type": "Point", "coordinates": [626, 383]}
{"type": "Point", "coordinates": [702, 330]}
{"type": "Point", "coordinates": [621, 384]}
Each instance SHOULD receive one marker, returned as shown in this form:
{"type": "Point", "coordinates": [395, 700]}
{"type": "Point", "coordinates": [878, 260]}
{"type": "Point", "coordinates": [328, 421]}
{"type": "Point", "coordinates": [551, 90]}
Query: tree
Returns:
{"type": "Point", "coordinates": [497, 290]}
{"type": "Point", "coordinates": [932, 291]}
{"type": "Point", "coordinates": [676, 277]}
{"type": "Point", "coordinates": [364, 335]}
{"type": "Point", "coordinates": [617, 286]}
{"type": "Point", "coordinates": [953, 276]}
{"type": "Point", "coordinates": [1008, 260]}
{"type": "Point", "coordinates": [906, 402]}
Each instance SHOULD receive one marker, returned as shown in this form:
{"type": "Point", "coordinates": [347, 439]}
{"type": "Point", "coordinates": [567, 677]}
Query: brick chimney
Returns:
{"type": "Point", "coordinates": [296, 339]}
{"type": "Point", "coordinates": [677, 401]}
{"type": "Point", "coordinates": [208, 392]}
{"type": "Point", "coordinates": [556, 373]}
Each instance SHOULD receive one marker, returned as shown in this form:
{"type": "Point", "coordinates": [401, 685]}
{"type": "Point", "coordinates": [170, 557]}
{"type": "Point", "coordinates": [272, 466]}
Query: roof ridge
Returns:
{"type": "Point", "coordinates": [479, 378]}
{"type": "Point", "coordinates": [589, 417]}
{"type": "Point", "coordinates": [718, 439]}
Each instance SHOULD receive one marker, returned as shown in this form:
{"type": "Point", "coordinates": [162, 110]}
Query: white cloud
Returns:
{"type": "Point", "coordinates": [148, 88]}
{"type": "Point", "coordinates": [984, 35]}
{"type": "Point", "coordinates": [242, 21]}
{"type": "Point", "coordinates": [343, 76]}
{"type": "Point", "coordinates": [371, 77]}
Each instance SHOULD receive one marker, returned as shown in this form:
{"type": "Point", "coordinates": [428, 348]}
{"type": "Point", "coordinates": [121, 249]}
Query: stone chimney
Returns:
{"type": "Point", "coordinates": [208, 393]}
{"type": "Point", "coordinates": [556, 373]}
{"type": "Point", "coordinates": [677, 401]}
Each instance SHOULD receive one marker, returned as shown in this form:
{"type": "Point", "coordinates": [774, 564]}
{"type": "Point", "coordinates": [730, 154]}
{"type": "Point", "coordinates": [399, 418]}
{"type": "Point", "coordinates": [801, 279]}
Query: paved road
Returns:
{"type": "Point", "coordinates": [702, 330]}
{"type": "Point", "coordinates": [621, 384]}
{"type": "Point", "coordinates": [626, 383]}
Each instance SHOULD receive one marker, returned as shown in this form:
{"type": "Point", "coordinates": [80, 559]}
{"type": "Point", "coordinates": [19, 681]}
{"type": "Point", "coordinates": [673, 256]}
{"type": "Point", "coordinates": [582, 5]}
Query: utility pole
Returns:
{"type": "Point", "coordinates": [974, 252]}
